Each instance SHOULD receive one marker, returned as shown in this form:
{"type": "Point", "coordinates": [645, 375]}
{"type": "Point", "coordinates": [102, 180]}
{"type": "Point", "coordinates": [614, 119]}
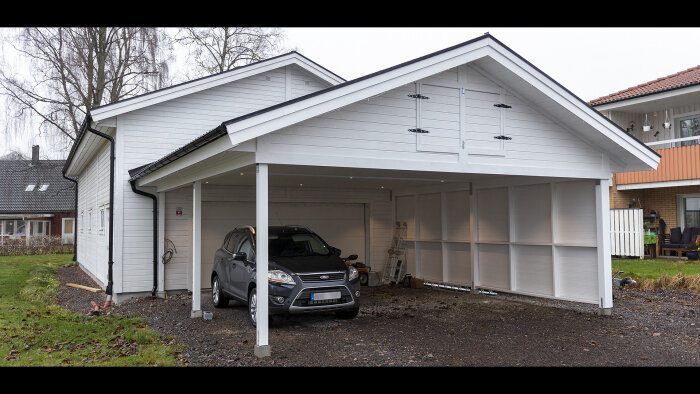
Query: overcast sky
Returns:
{"type": "Point", "coordinates": [590, 62]}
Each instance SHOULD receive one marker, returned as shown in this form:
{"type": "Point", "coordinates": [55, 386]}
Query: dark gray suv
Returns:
{"type": "Point", "coordinates": [305, 274]}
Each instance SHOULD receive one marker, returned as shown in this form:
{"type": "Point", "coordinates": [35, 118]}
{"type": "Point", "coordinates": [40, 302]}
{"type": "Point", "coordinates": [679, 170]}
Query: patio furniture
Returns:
{"type": "Point", "coordinates": [678, 241]}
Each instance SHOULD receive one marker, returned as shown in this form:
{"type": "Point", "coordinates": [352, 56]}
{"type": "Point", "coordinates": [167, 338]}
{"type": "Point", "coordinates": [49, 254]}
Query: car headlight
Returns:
{"type": "Point", "coordinates": [353, 273]}
{"type": "Point", "coordinates": [279, 276]}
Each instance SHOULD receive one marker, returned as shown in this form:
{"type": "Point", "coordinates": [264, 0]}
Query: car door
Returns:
{"type": "Point", "coordinates": [243, 268]}
{"type": "Point", "coordinates": [220, 261]}
{"type": "Point", "coordinates": [228, 262]}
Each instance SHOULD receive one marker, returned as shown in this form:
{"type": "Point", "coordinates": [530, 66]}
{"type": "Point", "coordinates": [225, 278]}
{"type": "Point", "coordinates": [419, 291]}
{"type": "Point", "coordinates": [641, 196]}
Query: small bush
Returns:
{"type": "Point", "coordinates": [37, 245]}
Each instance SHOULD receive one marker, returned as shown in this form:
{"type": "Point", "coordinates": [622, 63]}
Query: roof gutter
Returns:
{"type": "Point", "coordinates": [75, 220]}
{"type": "Point", "coordinates": [155, 233]}
{"type": "Point", "coordinates": [110, 282]}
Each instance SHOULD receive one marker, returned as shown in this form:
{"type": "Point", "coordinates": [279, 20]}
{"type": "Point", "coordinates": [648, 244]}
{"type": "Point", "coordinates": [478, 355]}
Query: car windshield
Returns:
{"type": "Point", "coordinates": [293, 245]}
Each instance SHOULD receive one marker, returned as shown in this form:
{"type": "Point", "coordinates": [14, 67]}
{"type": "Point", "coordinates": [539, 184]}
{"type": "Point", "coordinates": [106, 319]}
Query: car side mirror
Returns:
{"type": "Point", "coordinates": [352, 257]}
{"type": "Point", "coordinates": [335, 251]}
{"type": "Point", "coordinates": [242, 256]}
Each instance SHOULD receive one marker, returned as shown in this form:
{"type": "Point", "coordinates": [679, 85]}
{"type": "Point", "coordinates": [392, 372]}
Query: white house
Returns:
{"type": "Point", "coordinates": [501, 173]}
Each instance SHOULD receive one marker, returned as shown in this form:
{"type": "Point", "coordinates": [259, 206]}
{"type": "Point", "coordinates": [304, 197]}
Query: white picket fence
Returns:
{"type": "Point", "coordinates": [627, 232]}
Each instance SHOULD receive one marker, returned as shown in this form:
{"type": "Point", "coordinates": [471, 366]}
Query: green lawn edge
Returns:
{"type": "Point", "coordinates": [35, 331]}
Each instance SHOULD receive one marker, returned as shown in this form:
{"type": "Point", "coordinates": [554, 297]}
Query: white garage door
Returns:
{"type": "Point", "coordinates": [341, 225]}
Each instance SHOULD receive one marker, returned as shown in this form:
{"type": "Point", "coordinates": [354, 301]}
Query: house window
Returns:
{"type": "Point", "coordinates": [29, 188]}
{"type": "Point", "coordinates": [689, 127]}
{"type": "Point", "coordinates": [689, 208]}
{"type": "Point", "coordinates": [10, 228]}
{"type": "Point", "coordinates": [43, 188]}
{"type": "Point", "coordinates": [21, 227]}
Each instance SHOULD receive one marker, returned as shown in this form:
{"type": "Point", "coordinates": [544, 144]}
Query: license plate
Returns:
{"type": "Point", "coordinates": [331, 295]}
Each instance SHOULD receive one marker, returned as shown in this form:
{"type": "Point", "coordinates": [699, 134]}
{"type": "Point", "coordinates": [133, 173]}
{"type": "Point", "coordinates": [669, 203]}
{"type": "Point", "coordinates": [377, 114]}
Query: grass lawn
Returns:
{"type": "Point", "coordinates": [34, 331]}
{"type": "Point", "coordinates": [653, 269]}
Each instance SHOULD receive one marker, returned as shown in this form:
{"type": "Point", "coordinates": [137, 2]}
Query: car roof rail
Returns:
{"type": "Point", "coordinates": [251, 228]}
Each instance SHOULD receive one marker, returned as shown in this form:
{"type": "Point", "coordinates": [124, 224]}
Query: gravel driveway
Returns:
{"type": "Point", "coordinates": [400, 326]}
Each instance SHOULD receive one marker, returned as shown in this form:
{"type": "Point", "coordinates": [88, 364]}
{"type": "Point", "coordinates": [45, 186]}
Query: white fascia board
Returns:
{"type": "Point", "coordinates": [618, 105]}
{"type": "Point", "coordinates": [255, 126]}
{"type": "Point", "coordinates": [220, 145]}
{"type": "Point", "coordinates": [186, 88]}
{"type": "Point", "coordinates": [655, 185]}
{"type": "Point", "coordinates": [573, 105]}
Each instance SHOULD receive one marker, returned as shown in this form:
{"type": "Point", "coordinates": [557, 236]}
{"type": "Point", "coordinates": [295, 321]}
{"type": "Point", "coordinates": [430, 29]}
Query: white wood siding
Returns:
{"type": "Point", "coordinates": [93, 194]}
{"type": "Point", "coordinates": [459, 108]}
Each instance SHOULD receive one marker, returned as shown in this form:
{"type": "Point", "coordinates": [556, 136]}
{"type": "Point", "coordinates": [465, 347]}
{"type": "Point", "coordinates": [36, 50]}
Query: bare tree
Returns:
{"type": "Point", "coordinates": [75, 69]}
{"type": "Point", "coordinates": [219, 49]}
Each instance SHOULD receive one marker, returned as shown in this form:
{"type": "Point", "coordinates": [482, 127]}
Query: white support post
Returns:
{"type": "Point", "coordinates": [474, 247]}
{"type": "Point", "coordinates": [161, 239]}
{"type": "Point", "coordinates": [262, 347]}
{"type": "Point", "coordinates": [196, 249]}
{"type": "Point", "coordinates": [602, 191]}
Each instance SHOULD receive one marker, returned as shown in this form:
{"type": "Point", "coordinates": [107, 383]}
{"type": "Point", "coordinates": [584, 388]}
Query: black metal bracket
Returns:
{"type": "Point", "coordinates": [502, 137]}
{"type": "Point", "coordinates": [502, 106]}
{"type": "Point", "coordinates": [422, 131]}
{"type": "Point", "coordinates": [419, 96]}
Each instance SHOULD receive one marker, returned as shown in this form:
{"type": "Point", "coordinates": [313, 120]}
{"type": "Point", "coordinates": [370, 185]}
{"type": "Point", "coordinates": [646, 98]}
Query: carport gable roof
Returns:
{"type": "Point", "coordinates": [267, 120]}
{"type": "Point", "coordinates": [261, 122]}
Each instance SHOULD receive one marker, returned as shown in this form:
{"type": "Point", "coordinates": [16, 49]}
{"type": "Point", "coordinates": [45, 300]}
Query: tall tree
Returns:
{"type": "Point", "coordinates": [220, 49]}
{"type": "Point", "coordinates": [75, 69]}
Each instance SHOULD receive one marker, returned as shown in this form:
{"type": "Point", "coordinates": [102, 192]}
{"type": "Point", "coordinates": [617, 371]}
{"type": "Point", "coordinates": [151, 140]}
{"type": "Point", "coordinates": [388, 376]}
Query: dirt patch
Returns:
{"type": "Point", "coordinates": [428, 327]}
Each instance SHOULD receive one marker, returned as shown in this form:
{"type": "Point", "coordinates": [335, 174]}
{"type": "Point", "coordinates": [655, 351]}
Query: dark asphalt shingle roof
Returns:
{"type": "Point", "coordinates": [15, 175]}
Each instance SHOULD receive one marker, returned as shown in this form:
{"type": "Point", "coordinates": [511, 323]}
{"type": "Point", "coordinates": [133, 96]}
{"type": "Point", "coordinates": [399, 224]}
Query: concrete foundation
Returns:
{"type": "Point", "coordinates": [262, 351]}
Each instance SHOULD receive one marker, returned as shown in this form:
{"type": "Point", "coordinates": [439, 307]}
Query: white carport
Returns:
{"type": "Point", "coordinates": [501, 174]}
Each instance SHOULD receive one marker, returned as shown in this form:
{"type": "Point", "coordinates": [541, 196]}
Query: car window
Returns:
{"type": "Point", "coordinates": [233, 241]}
{"type": "Point", "coordinates": [247, 248]}
{"type": "Point", "coordinates": [226, 239]}
{"type": "Point", "coordinates": [292, 245]}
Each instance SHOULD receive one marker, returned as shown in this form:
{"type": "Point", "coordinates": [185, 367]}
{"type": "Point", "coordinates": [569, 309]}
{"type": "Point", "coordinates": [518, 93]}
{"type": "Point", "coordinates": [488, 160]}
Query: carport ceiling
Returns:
{"type": "Point", "coordinates": [334, 177]}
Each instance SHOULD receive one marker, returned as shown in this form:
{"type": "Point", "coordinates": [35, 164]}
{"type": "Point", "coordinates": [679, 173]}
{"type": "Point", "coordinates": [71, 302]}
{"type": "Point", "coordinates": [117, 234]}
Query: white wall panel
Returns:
{"type": "Point", "coordinates": [578, 273]}
{"type": "Point", "coordinates": [532, 215]}
{"type": "Point", "coordinates": [576, 216]}
{"type": "Point", "coordinates": [431, 260]}
{"type": "Point", "coordinates": [430, 216]}
{"type": "Point", "coordinates": [533, 269]}
{"type": "Point", "coordinates": [458, 269]}
{"type": "Point", "coordinates": [492, 206]}
{"type": "Point", "coordinates": [457, 216]}
{"type": "Point", "coordinates": [494, 266]}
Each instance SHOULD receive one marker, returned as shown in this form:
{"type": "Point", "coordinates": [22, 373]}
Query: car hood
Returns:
{"type": "Point", "coordinates": [303, 264]}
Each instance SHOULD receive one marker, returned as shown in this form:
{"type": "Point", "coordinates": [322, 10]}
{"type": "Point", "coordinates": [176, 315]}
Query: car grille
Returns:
{"type": "Point", "coordinates": [304, 297]}
{"type": "Point", "coordinates": [331, 276]}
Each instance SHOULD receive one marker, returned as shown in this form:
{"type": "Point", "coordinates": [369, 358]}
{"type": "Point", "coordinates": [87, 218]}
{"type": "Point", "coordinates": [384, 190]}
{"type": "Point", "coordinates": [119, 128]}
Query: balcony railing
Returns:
{"type": "Point", "coordinates": [677, 164]}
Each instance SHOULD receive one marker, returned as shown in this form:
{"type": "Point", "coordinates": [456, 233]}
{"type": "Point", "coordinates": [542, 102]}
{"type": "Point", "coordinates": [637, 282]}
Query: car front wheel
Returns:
{"type": "Point", "coordinates": [252, 305]}
{"type": "Point", "coordinates": [218, 297]}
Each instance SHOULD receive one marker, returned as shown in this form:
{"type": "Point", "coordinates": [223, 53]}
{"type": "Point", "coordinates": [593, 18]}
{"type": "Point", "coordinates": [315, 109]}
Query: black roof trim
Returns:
{"type": "Point", "coordinates": [689, 85]}
{"type": "Point", "coordinates": [195, 144]}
